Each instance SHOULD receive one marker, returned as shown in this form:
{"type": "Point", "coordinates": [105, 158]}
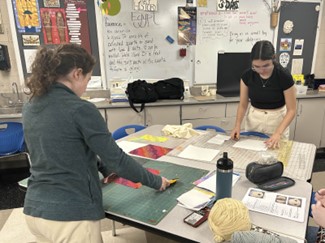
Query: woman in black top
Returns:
{"type": "Point", "coordinates": [270, 89]}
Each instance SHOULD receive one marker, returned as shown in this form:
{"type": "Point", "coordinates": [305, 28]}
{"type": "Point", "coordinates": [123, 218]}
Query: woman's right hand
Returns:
{"type": "Point", "coordinates": [164, 184]}
{"type": "Point", "coordinates": [235, 134]}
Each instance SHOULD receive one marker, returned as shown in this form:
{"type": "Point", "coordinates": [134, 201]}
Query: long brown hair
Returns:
{"type": "Point", "coordinates": [51, 64]}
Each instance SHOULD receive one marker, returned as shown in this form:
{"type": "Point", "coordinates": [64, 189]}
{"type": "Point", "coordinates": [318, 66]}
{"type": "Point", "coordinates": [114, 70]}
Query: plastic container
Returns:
{"type": "Point", "coordinates": [301, 90]}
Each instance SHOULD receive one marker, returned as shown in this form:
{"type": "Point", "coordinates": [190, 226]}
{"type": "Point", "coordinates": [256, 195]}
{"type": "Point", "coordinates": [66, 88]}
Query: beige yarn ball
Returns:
{"type": "Point", "coordinates": [227, 216]}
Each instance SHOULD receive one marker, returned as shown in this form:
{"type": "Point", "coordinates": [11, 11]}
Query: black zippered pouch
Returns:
{"type": "Point", "coordinates": [260, 173]}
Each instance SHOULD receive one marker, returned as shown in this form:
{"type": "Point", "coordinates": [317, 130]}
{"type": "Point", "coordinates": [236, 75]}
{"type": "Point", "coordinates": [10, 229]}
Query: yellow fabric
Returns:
{"type": "Point", "coordinates": [151, 138]}
{"type": "Point", "coordinates": [180, 131]}
{"type": "Point", "coordinates": [227, 216]}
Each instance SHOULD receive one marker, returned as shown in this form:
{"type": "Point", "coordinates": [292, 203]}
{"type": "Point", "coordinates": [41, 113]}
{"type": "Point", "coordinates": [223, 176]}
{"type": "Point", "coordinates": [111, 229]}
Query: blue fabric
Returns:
{"type": "Point", "coordinates": [256, 134]}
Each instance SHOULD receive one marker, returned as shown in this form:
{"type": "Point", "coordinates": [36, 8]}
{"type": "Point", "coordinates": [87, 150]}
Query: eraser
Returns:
{"type": "Point", "coordinates": [169, 39]}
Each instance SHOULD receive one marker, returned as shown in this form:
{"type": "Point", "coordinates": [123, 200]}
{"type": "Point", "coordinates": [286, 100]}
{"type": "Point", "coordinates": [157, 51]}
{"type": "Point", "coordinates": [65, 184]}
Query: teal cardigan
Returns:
{"type": "Point", "coordinates": [64, 135]}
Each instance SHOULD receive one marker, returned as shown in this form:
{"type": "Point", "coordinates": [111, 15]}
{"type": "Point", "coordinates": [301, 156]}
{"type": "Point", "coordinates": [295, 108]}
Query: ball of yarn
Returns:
{"type": "Point", "coordinates": [252, 236]}
{"type": "Point", "coordinates": [227, 216]}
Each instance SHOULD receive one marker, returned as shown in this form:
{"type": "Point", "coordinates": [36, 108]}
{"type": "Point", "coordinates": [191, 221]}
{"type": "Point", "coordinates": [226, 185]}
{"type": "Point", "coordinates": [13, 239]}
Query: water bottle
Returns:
{"type": "Point", "coordinates": [224, 177]}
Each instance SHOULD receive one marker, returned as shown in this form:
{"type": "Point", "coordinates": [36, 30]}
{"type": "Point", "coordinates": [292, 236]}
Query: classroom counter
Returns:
{"type": "Point", "coordinates": [217, 99]}
{"type": "Point", "coordinates": [192, 101]}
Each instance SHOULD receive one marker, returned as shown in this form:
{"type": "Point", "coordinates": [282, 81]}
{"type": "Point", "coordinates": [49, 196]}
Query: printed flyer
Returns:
{"type": "Point", "coordinates": [285, 206]}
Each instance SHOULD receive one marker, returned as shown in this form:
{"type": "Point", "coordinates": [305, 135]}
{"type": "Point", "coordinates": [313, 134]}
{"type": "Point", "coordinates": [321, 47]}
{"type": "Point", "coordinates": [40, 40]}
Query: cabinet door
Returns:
{"type": "Point", "coordinates": [322, 143]}
{"type": "Point", "coordinates": [309, 122]}
{"type": "Point", "coordinates": [231, 113]}
{"type": "Point", "coordinates": [203, 111]}
{"type": "Point", "coordinates": [119, 117]}
{"type": "Point", "coordinates": [163, 115]}
{"type": "Point", "coordinates": [205, 121]}
{"type": "Point", "coordinates": [204, 114]}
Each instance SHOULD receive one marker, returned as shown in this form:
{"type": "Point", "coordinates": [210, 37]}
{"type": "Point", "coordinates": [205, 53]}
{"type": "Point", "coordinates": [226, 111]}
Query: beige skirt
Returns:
{"type": "Point", "coordinates": [265, 121]}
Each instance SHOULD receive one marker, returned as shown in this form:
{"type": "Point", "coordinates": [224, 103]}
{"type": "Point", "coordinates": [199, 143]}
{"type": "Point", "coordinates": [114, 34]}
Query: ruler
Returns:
{"type": "Point", "coordinates": [285, 152]}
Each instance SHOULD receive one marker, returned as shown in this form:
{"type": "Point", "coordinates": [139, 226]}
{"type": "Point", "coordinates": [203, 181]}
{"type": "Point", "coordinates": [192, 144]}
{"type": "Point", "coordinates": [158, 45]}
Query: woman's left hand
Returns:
{"type": "Point", "coordinates": [274, 141]}
{"type": "Point", "coordinates": [111, 177]}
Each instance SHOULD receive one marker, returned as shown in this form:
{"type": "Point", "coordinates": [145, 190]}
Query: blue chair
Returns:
{"type": "Point", "coordinates": [11, 138]}
{"type": "Point", "coordinates": [210, 127]}
{"type": "Point", "coordinates": [126, 130]}
{"type": "Point", "coordinates": [256, 134]}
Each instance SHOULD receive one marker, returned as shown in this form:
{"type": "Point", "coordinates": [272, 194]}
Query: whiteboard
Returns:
{"type": "Point", "coordinates": [135, 44]}
{"type": "Point", "coordinates": [228, 31]}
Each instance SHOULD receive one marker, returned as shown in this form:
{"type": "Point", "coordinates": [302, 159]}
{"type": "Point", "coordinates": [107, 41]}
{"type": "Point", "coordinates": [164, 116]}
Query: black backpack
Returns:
{"type": "Point", "coordinates": [141, 92]}
{"type": "Point", "coordinates": [172, 88]}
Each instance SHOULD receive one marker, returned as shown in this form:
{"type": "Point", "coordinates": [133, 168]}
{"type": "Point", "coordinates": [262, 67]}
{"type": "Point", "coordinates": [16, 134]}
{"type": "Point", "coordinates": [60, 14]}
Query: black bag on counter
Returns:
{"type": "Point", "coordinates": [141, 92]}
{"type": "Point", "coordinates": [172, 88]}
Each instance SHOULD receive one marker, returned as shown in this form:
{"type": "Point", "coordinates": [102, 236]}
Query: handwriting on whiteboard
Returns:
{"type": "Point", "coordinates": [235, 27]}
{"type": "Point", "coordinates": [126, 50]}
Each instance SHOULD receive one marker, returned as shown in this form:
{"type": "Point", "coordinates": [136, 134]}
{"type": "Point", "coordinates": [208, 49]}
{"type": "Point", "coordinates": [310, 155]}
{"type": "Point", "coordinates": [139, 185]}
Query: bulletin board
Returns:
{"type": "Point", "coordinates": [54, 22]}
{"type": "Point", "coordinates": [143, 44]}
{"type": "Point", "coordinates": [298, 44]}
{"type": "Point", "coordinates": [228, 31]}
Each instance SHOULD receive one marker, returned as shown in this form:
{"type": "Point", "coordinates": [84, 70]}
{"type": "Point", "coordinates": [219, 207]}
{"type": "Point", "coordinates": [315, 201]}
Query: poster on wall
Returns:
{"type": "Point", "coordinates": [30, 40]}
{"type": "Point", "coordinates": [29, 55]}
{"type": "Point", "coordinates": [285, 44]}
{"type": "Point", "coordinates": [225, 5]}
{"type": "Point", "coordinates": [143, 5]}
{"type": "Point", "coordinates": [186, 25]}
{"type": "Point", "coordinates": [77, 22]}
{"type": "Point", "coordinates": [27, 15]}
{"type": "Point", "coordinates": [51, 3]}
{"type": "Point", "coordinates": [298, 47]}
{"type": "Point", "coordinates": [54, 26]}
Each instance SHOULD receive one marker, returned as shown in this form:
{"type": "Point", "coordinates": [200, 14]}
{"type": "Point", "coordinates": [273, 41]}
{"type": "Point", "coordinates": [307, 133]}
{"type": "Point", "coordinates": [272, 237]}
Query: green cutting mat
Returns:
{"type": "Point", "coordinates": [146, 204]}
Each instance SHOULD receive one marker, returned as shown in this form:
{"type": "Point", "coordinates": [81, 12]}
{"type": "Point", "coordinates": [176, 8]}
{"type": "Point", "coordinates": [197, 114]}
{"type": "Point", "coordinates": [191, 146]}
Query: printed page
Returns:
{"type": "Point", "coordinates": [251, 144]}
{"type": "Point", "coordinates": [284, 206]}
{"type": "Point", "coordinates": [210, 182]}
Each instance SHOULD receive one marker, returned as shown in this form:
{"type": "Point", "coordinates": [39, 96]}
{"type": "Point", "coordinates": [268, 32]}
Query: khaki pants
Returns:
{"type": "Point", "coordinates": [266, 121]}
{"type": "Point", "coordinates": [49, 231]}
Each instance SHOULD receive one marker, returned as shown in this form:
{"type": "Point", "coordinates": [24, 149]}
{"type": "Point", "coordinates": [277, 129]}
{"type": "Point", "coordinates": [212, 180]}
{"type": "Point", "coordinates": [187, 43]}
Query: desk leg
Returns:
{"type": "Point", "coordinates": [113, 228]}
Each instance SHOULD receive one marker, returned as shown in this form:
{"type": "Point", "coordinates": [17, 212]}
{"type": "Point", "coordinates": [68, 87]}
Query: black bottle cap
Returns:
{"type": "Point", "coordinates": [225, 163]}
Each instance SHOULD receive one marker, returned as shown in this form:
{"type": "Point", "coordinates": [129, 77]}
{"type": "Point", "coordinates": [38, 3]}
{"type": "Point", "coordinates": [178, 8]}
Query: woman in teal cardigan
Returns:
{"type": "Point", "coordinates": [65, 136]}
